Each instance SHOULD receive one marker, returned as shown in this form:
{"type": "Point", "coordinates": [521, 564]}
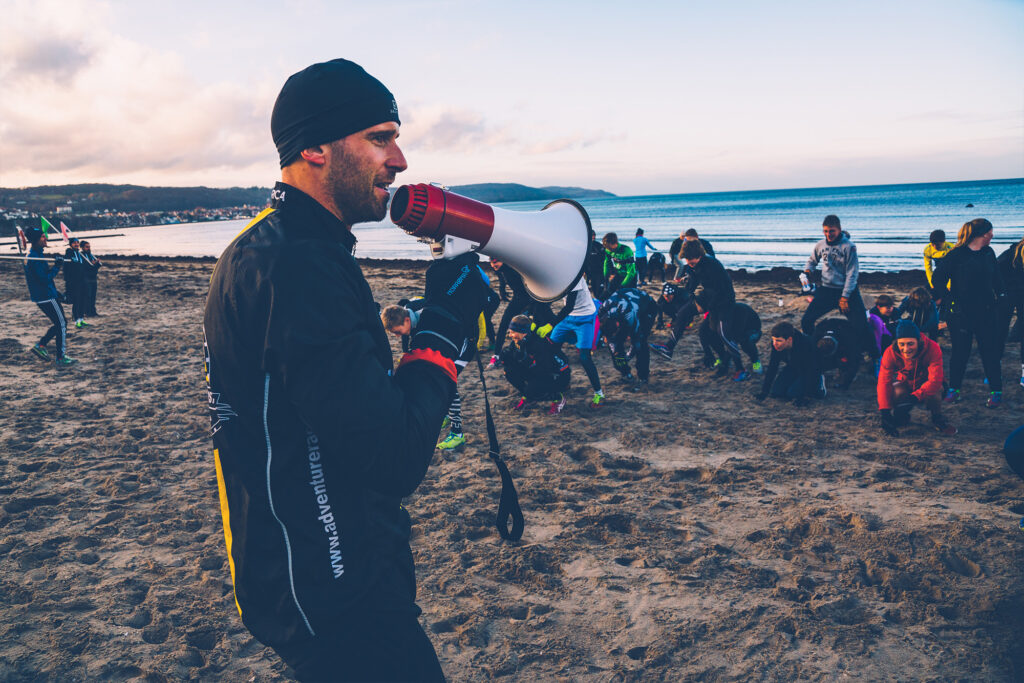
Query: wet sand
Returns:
{"type": "Point", "coordinates": [683, 533]}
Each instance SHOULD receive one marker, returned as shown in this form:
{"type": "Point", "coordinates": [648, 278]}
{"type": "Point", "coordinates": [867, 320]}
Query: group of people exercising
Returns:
{"type": "Point", "coordinates": [971, 294]}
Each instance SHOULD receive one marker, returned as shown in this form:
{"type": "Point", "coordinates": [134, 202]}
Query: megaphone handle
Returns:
{"type": "Point", "coordinates": [508, 504]}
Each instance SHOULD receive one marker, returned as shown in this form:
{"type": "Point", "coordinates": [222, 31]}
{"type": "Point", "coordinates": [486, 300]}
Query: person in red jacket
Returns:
{"type": "Point", "coordinates": [911, 375]}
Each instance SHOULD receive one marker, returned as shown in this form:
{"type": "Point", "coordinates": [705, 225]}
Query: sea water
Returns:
{"type": "Point", "coordinates": [754, 230]}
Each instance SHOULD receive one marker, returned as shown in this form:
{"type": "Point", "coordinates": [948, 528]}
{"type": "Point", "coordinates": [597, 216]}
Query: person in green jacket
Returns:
{"type": "Point", "coordinates": [619, 264]}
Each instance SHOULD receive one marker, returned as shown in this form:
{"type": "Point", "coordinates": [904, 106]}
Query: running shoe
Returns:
{"type": "Point", "coordinates": [756, 367]}
{"type": "Point", "coordinates": [718, 361]}
{"type": "Point", "coordinates": [665, 352]}
{"type": "Point", "coordinates": [444, 423]}
{"type": "Point", "coordinates": [81, 323]}
{"type": "Point", "coordinates": [495, 362]}
{"type": "Point", "coordinates": [453, 440]}
{"type": "Point", "coordinates": [952, 396]}
{"type": "Point", "coordinates": [642, 385]}
{"type": "Point", "coordinates": [41, 352]}
{"type": "Point", "coordinates": [556, 406]}
{"type": "Point", "coordinates": [741, 376]}
{"type": "Point", "coordinates": [65, 361]}
{"type": "Point", "coordinates": [995, 399]}
{"type": "Point", "coordinates": [598, 399]}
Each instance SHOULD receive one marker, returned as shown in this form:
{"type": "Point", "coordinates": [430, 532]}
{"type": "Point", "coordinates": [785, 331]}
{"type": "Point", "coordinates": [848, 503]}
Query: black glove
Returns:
{"type": "Point", "coordinates": [456, 285]}
{"type": "Point", "coordinates": [888, 422]}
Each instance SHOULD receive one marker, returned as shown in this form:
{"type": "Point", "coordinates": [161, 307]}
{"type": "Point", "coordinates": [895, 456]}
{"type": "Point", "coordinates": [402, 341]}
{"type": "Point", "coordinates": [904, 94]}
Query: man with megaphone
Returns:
{"type": "Point", "coordinates": [317, 438]}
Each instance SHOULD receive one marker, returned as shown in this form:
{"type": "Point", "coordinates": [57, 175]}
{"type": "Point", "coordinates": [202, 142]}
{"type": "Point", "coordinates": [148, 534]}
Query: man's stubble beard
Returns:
{"type": "Point", "coordinates": [352, 190]}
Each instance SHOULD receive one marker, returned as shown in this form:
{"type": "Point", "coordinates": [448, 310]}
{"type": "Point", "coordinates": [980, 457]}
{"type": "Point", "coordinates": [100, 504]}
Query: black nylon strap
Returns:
{"type": "Point", "coordinates": [508, 505]}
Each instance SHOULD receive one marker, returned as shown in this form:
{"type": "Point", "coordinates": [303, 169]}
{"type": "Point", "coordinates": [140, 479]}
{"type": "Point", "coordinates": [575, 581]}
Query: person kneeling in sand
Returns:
{"type": "Point", "coordinates": [801, 379]}
{"type": "Point", "coordinates": [911, 375]}
{"type": "Point", "coordinates": [838, 349]}
{"type": "Point", "coordinates": [535, 366]}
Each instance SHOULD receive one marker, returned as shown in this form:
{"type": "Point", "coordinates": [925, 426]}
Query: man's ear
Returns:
{"type": "Point", "coordinates": [316, 155]}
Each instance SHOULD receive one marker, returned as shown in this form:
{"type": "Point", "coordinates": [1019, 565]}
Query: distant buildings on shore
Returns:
{"type": "Point", "coordinates": [109, 218]}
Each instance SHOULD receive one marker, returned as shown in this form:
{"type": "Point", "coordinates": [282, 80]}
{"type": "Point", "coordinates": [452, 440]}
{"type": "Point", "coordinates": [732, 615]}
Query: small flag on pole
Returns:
{"type": "Point", "coordinates": [65, 231]}
{"type": "Point", "coordinates": [45, 224]}
{"type": "Point", "coordinates": [22, 241]}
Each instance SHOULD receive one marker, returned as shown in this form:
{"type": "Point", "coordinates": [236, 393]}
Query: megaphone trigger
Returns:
{"type": "Point", "coordinates": [547, 247]}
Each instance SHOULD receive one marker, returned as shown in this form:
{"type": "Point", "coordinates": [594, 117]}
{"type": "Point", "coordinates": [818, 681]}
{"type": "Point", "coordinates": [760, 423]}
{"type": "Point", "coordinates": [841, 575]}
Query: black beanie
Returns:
{"type": "Point", "coordinates": [326, 102]}
{"type": "Point", "coordinates": [906, 329]}
{"type": "Point", "coordinates": [33, 235]}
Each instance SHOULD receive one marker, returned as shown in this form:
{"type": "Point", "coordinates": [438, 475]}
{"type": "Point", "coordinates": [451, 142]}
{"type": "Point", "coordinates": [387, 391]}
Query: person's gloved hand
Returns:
{"type": "Point", "coordinates": [58, 259]}
{"type": "Point", "coordinates": [888, 422]}
{"type": "Point", "coordinates": [620, 363]}
{"type": "Point", "coordinates": [544, 330]}
{"type": "Point", "coordinates": [457, 286]}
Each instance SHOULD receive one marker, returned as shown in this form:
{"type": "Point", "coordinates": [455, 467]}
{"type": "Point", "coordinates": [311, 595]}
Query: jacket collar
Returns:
{"type": "Point", "coordinates": [318, 222]}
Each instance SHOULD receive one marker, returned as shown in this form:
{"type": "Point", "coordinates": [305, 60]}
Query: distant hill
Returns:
{"type": "Point", "coordinates": [95, 196]}
{"type": "Point", "coordinates": [514, 192]}
{"type": "Point", "coordinates": [91, 197]}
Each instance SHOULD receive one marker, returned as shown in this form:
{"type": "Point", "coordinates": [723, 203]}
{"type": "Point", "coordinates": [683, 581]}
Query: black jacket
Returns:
{"type": "Point", "coordinates": [536, 368]}
{"type": "Point", "coordinates": [718, 293]}
{"type": "Point", "coordinates": [974, 278]}
{"type": "Point", "coordinates": [803, 358]}
{"type": "Point", "coordinates": [846, 357]}
{"type": "Point", "coordinates": [74, 270]}
{"type": "Point", "coordinates": [316, 439]}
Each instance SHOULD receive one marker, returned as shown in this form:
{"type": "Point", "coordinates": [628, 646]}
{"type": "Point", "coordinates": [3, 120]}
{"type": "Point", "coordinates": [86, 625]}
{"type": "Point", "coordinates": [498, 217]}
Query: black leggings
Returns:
{"type": "Point", "coordinates": [963, 330]}
{"type": "Point", "coordinates": [59, 329]}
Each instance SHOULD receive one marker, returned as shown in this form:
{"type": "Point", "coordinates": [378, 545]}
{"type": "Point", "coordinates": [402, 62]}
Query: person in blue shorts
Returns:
{"type": "Point", "coordinates": [577, 322]}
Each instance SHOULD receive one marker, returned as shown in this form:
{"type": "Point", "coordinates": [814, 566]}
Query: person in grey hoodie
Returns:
{"type": "Point", "coordinates": [839, 272]}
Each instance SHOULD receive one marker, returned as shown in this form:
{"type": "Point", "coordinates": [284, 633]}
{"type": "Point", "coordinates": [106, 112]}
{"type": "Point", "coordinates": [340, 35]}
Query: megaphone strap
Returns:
{"type": "Point", "coordinates": [508, 504]}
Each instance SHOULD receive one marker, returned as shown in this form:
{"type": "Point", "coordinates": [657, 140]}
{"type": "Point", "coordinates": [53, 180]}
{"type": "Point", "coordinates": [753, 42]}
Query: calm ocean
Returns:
{"type": "Point", "coordinates": [753, 230]}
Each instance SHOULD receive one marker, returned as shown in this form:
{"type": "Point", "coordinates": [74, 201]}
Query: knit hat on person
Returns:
{"type": "Point", "coordinates": [520, 324]}
{"type": "Point", "coordinates": [326, 102]}
{"type": "Point", "coordinates": [907, 329]}
{"type": "Point", "coordinates": [33, 235]}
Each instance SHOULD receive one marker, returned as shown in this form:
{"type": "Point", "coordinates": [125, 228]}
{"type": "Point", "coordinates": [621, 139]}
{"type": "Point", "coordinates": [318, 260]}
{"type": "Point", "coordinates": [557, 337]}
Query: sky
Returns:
{"type": "Point", "coordinates": [634, 98]}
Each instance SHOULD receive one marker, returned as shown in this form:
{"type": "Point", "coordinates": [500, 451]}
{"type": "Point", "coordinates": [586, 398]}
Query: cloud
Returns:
{"type": "Point", "coordinates": [83, 103]}
{"type": "Point", "coordinates": [435, 129]}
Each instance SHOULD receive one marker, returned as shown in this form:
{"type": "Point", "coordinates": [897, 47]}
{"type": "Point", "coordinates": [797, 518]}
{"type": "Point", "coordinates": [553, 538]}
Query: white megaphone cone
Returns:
{"type": "Point", "coordinates": [547, 247]}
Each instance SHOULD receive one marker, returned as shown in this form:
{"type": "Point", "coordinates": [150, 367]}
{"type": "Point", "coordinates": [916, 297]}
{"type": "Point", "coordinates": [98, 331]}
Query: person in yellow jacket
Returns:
{"type": "Point", "coordinates": [936, 249]}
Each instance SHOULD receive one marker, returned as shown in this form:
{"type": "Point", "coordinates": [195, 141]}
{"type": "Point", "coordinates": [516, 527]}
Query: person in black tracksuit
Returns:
{"type": "Point", "coordinates": [714, 298]}
{"type": "Point", "coordinates": [800, 380]}
{"type": "Point", "coordinates": [43, 294]}
{"type": "Point", "coordinates": [975, 288]}
{"type": "Point", "coordinates": [74, 281]}
{"type": "Point", "coordinates": [740, 330]}
{"type": "Point", "coordinates": [593, 267]}
{"type": "Point", "coordinates": [317, 436]}
{"type": "Point", "coordinates": [835, 340]}
{"type": "Point", "coordinates": [90, 276]}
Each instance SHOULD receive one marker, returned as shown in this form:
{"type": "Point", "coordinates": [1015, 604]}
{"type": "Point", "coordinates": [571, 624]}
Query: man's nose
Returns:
{"type": "Point", "coordinates": [396, 160]}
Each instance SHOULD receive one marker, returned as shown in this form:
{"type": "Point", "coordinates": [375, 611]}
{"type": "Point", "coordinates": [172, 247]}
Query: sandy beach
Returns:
{"type": "Point", "coordinates": [686, 533]}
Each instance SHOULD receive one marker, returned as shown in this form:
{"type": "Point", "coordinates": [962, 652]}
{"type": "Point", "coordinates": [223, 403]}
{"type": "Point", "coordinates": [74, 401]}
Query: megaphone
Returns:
{"type": "Point", "coordinates": [547, 247]}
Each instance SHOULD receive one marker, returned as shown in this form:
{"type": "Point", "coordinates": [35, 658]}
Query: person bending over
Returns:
{"type": "Point", "coordinates": [656, 265]}
{"type": "Point", "coordinates": [535, 367]}
{"type": "Point", "coordinates": [740, 330]}
{"type": "Point", "coordinates": [713, 300]}
{"type": "Point", "coordinates": [919, 307]}
{"type": "Point", "coordinates": [577, 322]}
{"type": "Point", "coordinates": [627, 316]}
{"type": "Point", "coordinates": [840, 270]}
{"type": "Point", "coordinates": [317, 436]}
{"type": "Point", "coordinates": [43, 294]}
{"type": "Point", "coordinates": [619, 264]}
{"type": "Point", "coordinates": [520, 302]}
{"type": "Point", "coordinates": [800, 380]}
{"type": "Point", "coordinates": [593, 265]}
{"type": "Point", "coordinates": [968, 281]}
{"type": "Point", "coordinates": [910, 376]}
{"type": "Point", "coordinates": [836, 344]}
